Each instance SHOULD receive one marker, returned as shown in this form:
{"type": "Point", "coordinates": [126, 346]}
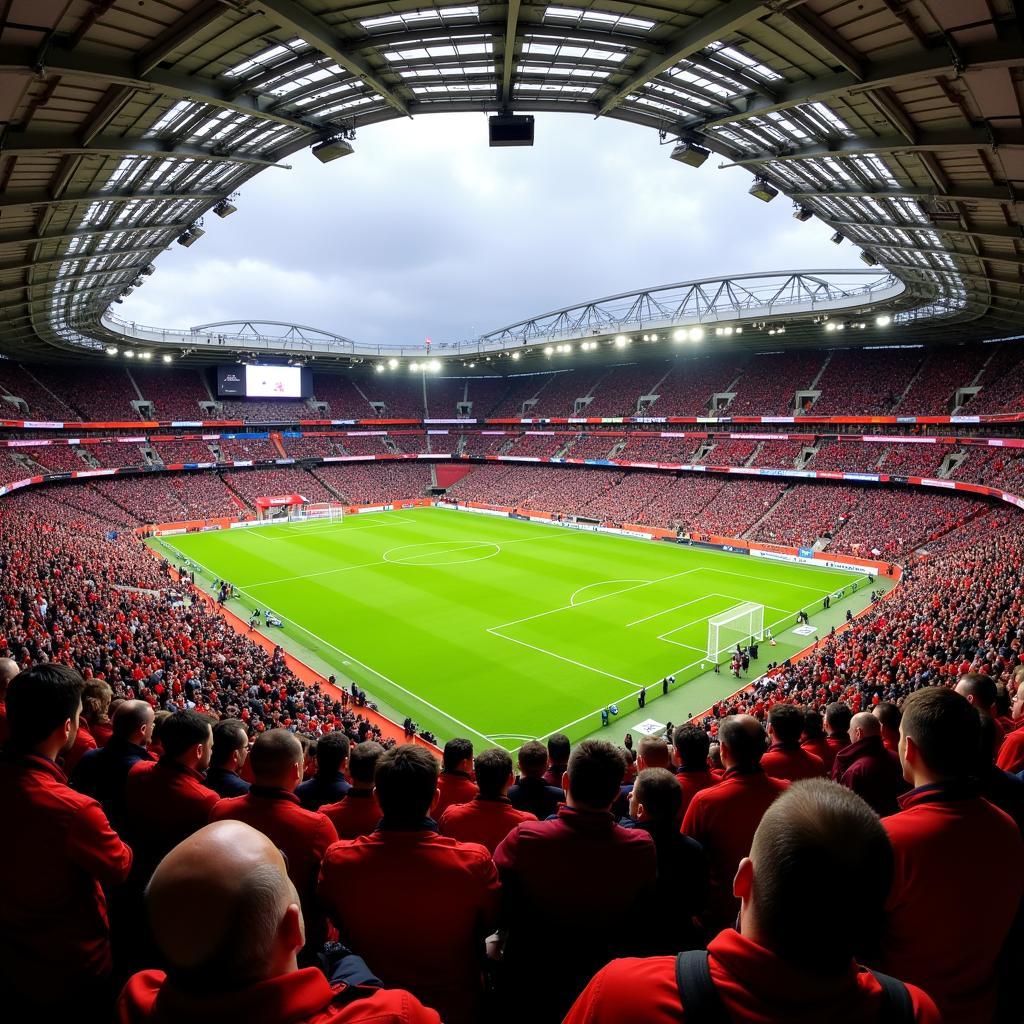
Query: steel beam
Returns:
{"type": "Point", "coordinates": [978, 192]}
{"type": "Point", "coordinates": [30, 238]}
{"type": "Point", "coordinates": [999, 232]}
{"type": "Point", "coordinates": [37, 199]}
{"type": "Point", "coordinates": [178, 35]}
{"type": "Point", "coordinates": [508, 56]}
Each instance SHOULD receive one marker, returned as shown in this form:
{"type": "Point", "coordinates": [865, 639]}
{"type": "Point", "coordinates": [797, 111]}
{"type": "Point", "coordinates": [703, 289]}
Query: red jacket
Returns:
{"type": "Point", "coordinates": [573, 888]}
{"type": "Point", "coordinates": [872, 772]}
{"type": "Point", "coordinates": [723, 820]}
{"type": "Point", "coordinates": [302, 997]}
{"type": "Point", "coordinates": [417, 907]}
{"type": "Point", "coordinates": [84, 741]}
{"type": "Point", "coordinates": [693, 782]}
{"type": "Point", "coordinates": [1011, 753]}
{"type": "Point", "coordinates": [823, 749]}
{"type": "Point", "coordinates": [754, 985]}
{"type": "Point", "coordinates": [165, 803]}
{"type": "Point", "coordinates": [357, 815]}
{"type": "Point", "coordinates": [944, 931]}
{"type": "Point", "coordinates": [482, 821]}
{"type": "Point", "coordinates": [56, 857]}
{"type": "Point", "coordinates": [792, 763]}
{"type": "Point", "coordinates": [455, 788]}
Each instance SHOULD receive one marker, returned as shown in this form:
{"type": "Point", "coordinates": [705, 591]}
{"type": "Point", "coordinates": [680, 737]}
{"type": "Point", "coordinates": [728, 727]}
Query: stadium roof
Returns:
{"type": "Point", "coordinates": [899, 123]}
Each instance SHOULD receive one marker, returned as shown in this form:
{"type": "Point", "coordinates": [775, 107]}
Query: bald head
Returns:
{"type": "Point", "coordinates": [742, 741]}
{"type": "Point", "coordinates": [277, 759]}
{"type": "Point", "coordinates": [223, 910]}
{"type": "Point", "coordinates": [864, 724]}
{"type": "Point", "coordinates": [133, 722]}
{"type": "Point", "coordinates": [8, 670]}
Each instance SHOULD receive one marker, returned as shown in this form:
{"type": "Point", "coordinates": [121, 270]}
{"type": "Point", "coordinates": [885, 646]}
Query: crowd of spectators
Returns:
{"type": "Point", "coordinates": [175, 393]}
{"type": "Point", "coordinates": [100, 394]}
{"type": "Point", "coordinates": [933, 391]}
{"type": "Point", "coordinates": [250, 484]}
{"type": "Point", "coordinates": [559, 394]}
{"type": "Point", "coordinates": [867, 385]}
{"type": "Point", "coordinates": [770, 382]}
{"type": "Point", "coordinates": [688, 385]}
{"type": "Point", "coordinates": [181, 452]}
{"type": "Point", "coordinates": [806, 514]}
{"type": "Point", "coordinates": [854, 456]}
{"type": "Point", "coordinates": [375, 483]}
{"type": "Point", "coordinates": [262, 410]}
{"type": "Point", "coordinates": [591, 446]}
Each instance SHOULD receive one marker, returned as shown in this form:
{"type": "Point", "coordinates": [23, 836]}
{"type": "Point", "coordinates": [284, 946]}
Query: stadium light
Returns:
{"type": "Point", "coordinates": [167, 357]}
{"type": "Point", "coordinates": [435, 364]}
{"type": "Point", "coordinates": [224, 209]}
{"type": "Point", "coordinates": [763, 190]}
{"type": "Point", "coordinates": [801, 213]}
{"type": "Point", "coordinates": [145, 355]}
{"type": "Point", "coordinates": [191, 235]}
{"type": "Point", "coordinates": [129, 354]}
{"type": "Point", "coordinates": [830, 326]}
{"type": "Point", "coordinates": [654, 337]}
{"type": "Point", "coordinates": [515, 356]}
{"type": "Point", "coordinates": [392, 364]}
{"type": "Point", "coordinates": [696, 334]}
{"type": "Point", "coordinates": [690, 154]}
{"type": "Point", "coordinates": [548, 350]}
{"type": "Point", "coordinates": [471, 365]}
{"type": "Point", "coordinates": [679, 335]}
{"type": "Point", "coordinates": [111, 350]}
{"type": "Point", "coordinates": [883, 321]}
{"type": "Point", "coordinates": [837, 237]}
{"type": "Point", "coordinates": [413, 367]}
{"type": "Point", "coordinates": [621, 341]}
{"type": "Point", "coordinates": [379, 367]}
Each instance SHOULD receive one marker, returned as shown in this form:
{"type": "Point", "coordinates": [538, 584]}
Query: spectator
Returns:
{"type": "Point", "coordinates": [229, 754]}
{"type": "Point", "coordinates": [980, 690]}
{"type": "Point", "coordinates": [785, 758]}
{"type": "Point", "coordinates": [57, 857]}
{"type": "Point", "coordinates": [889, 716]}
{"type": "Point", "coordinates": [103, 773]}
{"type": "Point", "coordinates": [814, 738]}
{"type": "Point", "coordinates": [558, 759]}
{"type": "Point", "coordinates": [723, 819]}
{"type": "Point", "coordinates": [788, 961]}
{"type": "Point", "coordinates": [866, 767]}
{"type": "Point", "coordinates": [1011, 751]}
{"type": "Point", "coordinates": [941, 932]}
{"type": "Point", "coordinates": [489, 816]}
{"type": "Point", "coordinates": [272, 807]}
{"type": "Point", "coordinates": [532, 793]}
{"type": "Point", "coordinates": [444, 892]}
{"type": "Point", "coordinates": [456, 784]}
{"type": "Point", "coordinates": [837, 730]}
{"type": "Point", "coordinates": [998, 787]}
{"type": "Point", "coordinates": [559, 893]}
{"type": "Point", "coordinates": [242, 963]}
{"type": "Point", "coordinates": [95, 703]}
{"type": "Point", "coordinates": [651, 752]}
{"type": "Point", "coordinates": [692, 745]}
{"type": "Point", "coordinates": [8, 670]}
{"type": "Point", "coordinates": [359, 812]}
{"type": "Point", "coordinates": [655, 807]}
{"type": "Point", "coordinates": [328, 786]}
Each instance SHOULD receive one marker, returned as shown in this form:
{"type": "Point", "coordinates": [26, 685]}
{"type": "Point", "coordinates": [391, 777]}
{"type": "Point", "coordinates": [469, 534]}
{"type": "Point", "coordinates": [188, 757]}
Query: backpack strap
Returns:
{"type": "Point", "coordinates": [897, 1006]}
{"type": "Point", "coordinates": [697, 993]}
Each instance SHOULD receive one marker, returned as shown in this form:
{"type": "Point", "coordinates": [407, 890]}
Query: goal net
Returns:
{"type": "Point", "coordinates": [739, 625]}
{"type": "Point", "coordinates": [317, 510]}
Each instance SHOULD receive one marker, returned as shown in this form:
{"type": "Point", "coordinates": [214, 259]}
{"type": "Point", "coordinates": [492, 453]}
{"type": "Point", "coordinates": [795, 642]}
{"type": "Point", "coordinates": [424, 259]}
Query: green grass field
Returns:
{"type": "Point", "coordinates": [499, 629]}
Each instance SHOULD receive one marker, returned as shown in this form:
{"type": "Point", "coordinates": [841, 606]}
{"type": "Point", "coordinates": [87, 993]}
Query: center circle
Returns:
{"type": "Point", "coordinates": [442, 552]}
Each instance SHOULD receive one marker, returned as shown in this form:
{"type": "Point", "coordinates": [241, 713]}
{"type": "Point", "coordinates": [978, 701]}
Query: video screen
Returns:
{"type": "Point", "coordinates": [255, 381]}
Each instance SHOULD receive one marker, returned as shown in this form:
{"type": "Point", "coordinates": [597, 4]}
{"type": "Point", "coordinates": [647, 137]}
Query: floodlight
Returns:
{"type": "Point", "coordinates": [190, 236]}
{"type": "Point", "coordinates": [763, 190]}
{"type": "Point", "coordinates": [883, 321]}
{"type": "Point", "coordinates": [392, 364]}
{"type": "Point", "coordinates": [434, 365]}
{"type": "Point", "coordinates": [515, 355]}
{"type": "Point", "coordinates": [379, 367]}
{"type": "Point", "coordinates": [129, 354]}
{"type": "Point", "coordinates": [111, 350]}
{"type": "Point", "coordinates": [679, 335]}
{"type": "Point", "coordinates": [332, 149]}
{"type": "Point", "coordinates": [696, 334]}
{"type": "Point", "coordinates": [224, 208]}
{"type": "Point", "coordinates": [471, 365]}
{"type": "Point", "coordinates": [690, 154]}
{"type": "Point", "coordinates": [838, 237]}
{"type": "Point", "coordinates": [654, 337]}
{"type": "Point", "coordinates": [739, 330]}
{"type": "Point", "coordinates": [840, 327]}
{"type": "Point", "coordinates": [413, 367]}
{"type": "Point", "coordinates": [167, 357]}
{"type": "Point", "coordinates": [548, 350]}
{"type": "Point", "coordinates": [621, 341]}
{"type": "Point", "coordinates": [148, 269]}
{"type": "Point", "coordinates": [145, 355]}
{"type": "Point", "coordinates": [801, 213]}
{"type": "Point", "coordinates": [830, 326]}
{"type": "Point", "coordinates": [866, 257]}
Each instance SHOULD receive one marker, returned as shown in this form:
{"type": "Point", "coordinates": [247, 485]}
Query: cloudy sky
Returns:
{"type": "Point", "coordinates": [426, 231]}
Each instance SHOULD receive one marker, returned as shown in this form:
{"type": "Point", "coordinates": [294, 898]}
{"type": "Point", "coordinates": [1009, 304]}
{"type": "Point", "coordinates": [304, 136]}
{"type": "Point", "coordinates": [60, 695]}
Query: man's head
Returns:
{"type": "Point", "coordinates": [979, 689]}
{"type": "Point", "coordinates": [814, 728]}
{"type": "Point", "coordinates": [889, 717]}
{"type": "Point", "coordinates": [133, 722]}
{"type": "Point", "coordinates": [715, 756]}
{"type": "Point", "coordinates": [652, 752]}
{"type": "Point", "coordinates": [786, 724]}
{"type": "Point", "coordinates": [742, 742]}
{"type": "Point", "coordinates": [187, 738]}
{"type": "Point", "coordinates": [493, 773]}
{"type": "Point", "coordinates": [230, 744]}
{"type": "Point", "coordinates": [458, 756]}
{"type": "Point", "coordinates": [332, 750]}
{"type": "Point", "coordinates": [8, 670]}
{"type": "Point", "coordinates": [657, 798]}
{"type": "Point", "coordinates": [362, 763]}
{"type": "Point", "coordinates": [558, 748]}
{"type": "Point", "coordinates": [96, 698]}
{"type": "Point", "coordinates": [595, 774]}
{"type": "Point", "coordinates": [533, 759]}
{"type": "Point", "coordinates": [406, 784]}
{"type": "Point", "coordinates": [691, 744]}
{"type": "Point", "coordinates": [837, 719]}
{"type": "Point", "coordinates": [277, 759]}
{"type": "Point", "coordinates": [864, 725]}
{"type": "Point", "coordinates": [223, 910]}
{"type": "Point", "coordinates": [939, 736]}
{"type": "Point", "coordinates": [814, 833]}
{"type": "Point", "coordinates": [43, 707]}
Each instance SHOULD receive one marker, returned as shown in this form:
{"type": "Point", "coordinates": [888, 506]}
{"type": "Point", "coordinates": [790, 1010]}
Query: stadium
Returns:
{"type": "Point", "coordinates": [653, 658]}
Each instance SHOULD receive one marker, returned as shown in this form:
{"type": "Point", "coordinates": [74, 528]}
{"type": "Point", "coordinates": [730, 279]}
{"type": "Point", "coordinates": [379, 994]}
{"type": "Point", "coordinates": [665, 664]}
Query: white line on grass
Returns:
{"type": "Point", "coordinates": [675, 607]}
{"type": "Point", "coordinates": [767, 579]}
{"type": "Point", "coordinates": [601, 583]}
{"type": "Point", "coordinates": [561, 657]}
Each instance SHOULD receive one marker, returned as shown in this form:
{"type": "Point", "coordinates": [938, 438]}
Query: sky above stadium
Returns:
{"type": "Point", "coordinates": [427, 232]}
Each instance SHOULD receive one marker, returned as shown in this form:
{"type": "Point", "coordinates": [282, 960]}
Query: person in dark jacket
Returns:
{"type": "Point", "coordinates": [230, 751]}
{"type": "Point", "coordinates": [558, 758]}
{"type": "Point", "coordinates": [532, 793]}
{"type": "Point", "coordinates": [102, 773]}
{"type": "Point", "coordinates": [785, 758]}
{"type": "Point", "coordinates": [866, 767]}
{"type": "Point", "coordinates": [998, 787]}
{"type": "Point", "coordinates": [329, 785]}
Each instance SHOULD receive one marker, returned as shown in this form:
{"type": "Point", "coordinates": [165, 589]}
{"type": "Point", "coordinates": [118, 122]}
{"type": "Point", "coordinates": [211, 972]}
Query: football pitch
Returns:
{"type": "Point", "coordinates": [498, 629]}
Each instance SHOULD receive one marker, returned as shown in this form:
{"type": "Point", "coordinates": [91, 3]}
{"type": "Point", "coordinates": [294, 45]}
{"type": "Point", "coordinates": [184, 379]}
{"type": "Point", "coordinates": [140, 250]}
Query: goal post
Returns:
{"type": "Point", "coordinates": [738, 625]}
{"type": "Point", "coordinates": [332, 510]}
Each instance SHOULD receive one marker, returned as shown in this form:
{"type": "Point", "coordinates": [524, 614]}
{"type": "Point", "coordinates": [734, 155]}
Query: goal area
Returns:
{"type": "Point", "coordinates": [739, 625]}
{"type": "Point", "coordinates": [294, 508]}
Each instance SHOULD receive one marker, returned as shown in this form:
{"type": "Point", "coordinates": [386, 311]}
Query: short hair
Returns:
{"type": "Point", "coordinates": [813, 727]}
{"type": "Point", "coordinates": [692, 744]}
{"type": "Point", "coordinates": [745, 739]}
{"type": "Point", "coordinates": [455, 752]}
{"type": "Point", "coordinates": [987, 743]}
{"type": "Point", "coordinates": [654, 751]}
{"type": "Point", "coordinates": [888, 714]}
{"type": "Point", "coordinates": [1004, 702]}
{"type": "Point", "coordinates": [40, 700]}
{"type": "Point", "coordinates": [184, 729]}
{"type": "Point", "coordinates": [493, 768]}
{"type": "Point", "coordinates": [595, 771]}
{"type": "Point", "coordinates": [837, 716]}
{"type": "Point", "coordinates": [229, 735]}
{"type": "Point", "coordinates": [274, 753]}
{"type": "Point", "coordinates": [159, 718]}
{"type": "Point", "coordinates": [558, 748]}
{"type": "Point", "coordinates": [660, 793]}
{"type": "Point", "coordinates": [331, 750]}
{"type": "Point", "coordinates": [981, 687]}
{"type": "Point", "coordinates": [406, 781]}
{"type": "Point", "coordinates": [945, 729]}
{"type": "Point", "coordinates": [96, 698]}
{"type": "Point", "coordinates": [787, 722]}
{"type": "Point", "coordinates": [362, 762]}
{"type": "Point", "coordinates": [814, 833]}
{"type": "Point", "coordinates": [533, 759]}
{"type": "Point", "coordinates": [129, 717]}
